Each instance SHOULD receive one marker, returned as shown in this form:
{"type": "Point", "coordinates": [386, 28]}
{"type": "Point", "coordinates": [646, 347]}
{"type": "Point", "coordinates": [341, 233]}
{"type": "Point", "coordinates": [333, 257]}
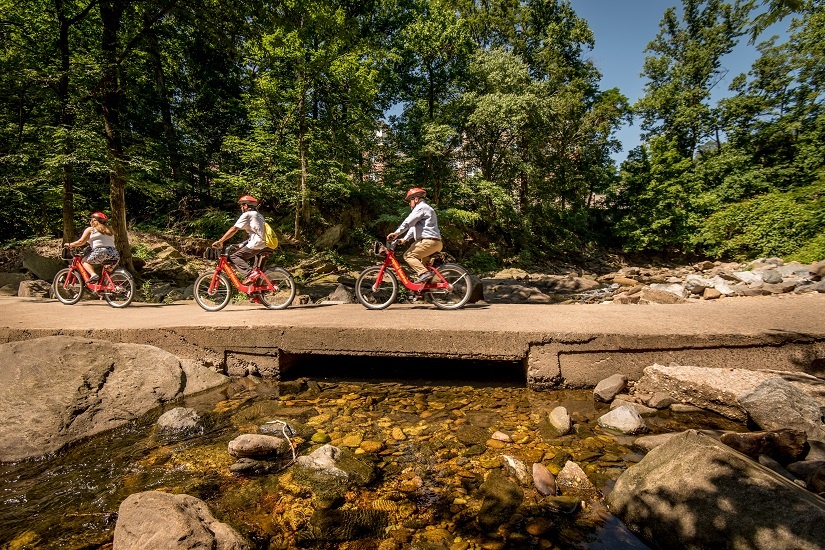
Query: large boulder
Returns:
{"type": "Point", "coordinates": [42, 267]}
{"type": "Point", "coordinates": [776, 404]}
{"type": "Point", "coordinates": [695, 492]}
{"type": "Point", "coordinates": [152, 520]}
{"type": "Point", "coordinates": [716, 389]}
{"type": "Point", "coordinates": [57, 389]}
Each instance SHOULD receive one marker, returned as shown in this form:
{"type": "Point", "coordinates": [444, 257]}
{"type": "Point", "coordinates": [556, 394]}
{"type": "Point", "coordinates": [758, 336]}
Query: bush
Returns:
{"type": "Point", "coordinates": [774, 224]}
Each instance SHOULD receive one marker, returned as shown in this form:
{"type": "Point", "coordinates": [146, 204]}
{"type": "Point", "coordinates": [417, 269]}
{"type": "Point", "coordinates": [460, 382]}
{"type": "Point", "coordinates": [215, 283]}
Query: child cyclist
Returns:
{"type": "Point", "coordinates": [254, 224]}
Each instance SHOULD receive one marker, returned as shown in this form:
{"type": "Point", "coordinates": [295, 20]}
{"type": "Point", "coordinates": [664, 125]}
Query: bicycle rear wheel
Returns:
{"type": "Point", "coordinates": [459, 293]}
{"type": "Point", "coordinates": [124, 290]}
{"type": "Point", "coordinates": [285, 293]}
{"type": "Point", "coordinates": [216, 300]}
{"type": "Point", "coordinates": [372, 296]}
{"type": "Point", "coordinates": [67, 286]}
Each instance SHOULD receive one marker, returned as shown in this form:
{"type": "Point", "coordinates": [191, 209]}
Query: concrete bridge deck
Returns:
{"type": "Point", "coordinates": [577, 345]}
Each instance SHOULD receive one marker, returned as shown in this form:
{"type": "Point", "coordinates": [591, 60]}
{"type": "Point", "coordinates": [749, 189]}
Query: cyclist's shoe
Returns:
{"type": "Point", "coordinates": [249, 280]}
{"type": "Point", "coordinates": [93, 279]}
{"type": "Point", "coordinates": [425, 277]}
{"type": "Point", "coordinates": [255, 298]}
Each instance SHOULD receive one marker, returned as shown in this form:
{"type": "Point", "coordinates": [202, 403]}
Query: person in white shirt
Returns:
{"type": "Point", "coordinates": [254, 224]}
{"type": "Point", "coordinates": [421, 226]}
{"type": "Point", "coordinates": [102, 240]}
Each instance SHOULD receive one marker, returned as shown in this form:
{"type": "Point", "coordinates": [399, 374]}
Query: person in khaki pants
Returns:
{"type": "Point", "coordinates": [422, 227]}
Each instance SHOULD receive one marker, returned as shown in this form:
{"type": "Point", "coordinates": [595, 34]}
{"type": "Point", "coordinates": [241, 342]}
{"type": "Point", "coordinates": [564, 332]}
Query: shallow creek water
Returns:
{"type": "Point", "coordinates": [426, 493]}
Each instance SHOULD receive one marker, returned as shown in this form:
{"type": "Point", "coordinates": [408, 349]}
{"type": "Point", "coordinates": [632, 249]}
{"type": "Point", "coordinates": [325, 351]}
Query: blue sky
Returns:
{"type": "Point", "coordinates": [622, 30]}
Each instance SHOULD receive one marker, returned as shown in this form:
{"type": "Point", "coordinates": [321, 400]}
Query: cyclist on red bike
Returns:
{"type": "Point", "coordinates": [253, 223]}
{"type": "Point", "coordinates": [421, 226]}
{"type": "Point", "coordinates": [102, 241]}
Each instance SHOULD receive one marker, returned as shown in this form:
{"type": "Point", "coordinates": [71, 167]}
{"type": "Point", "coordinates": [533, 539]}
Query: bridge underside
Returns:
{"type": "Point", "coordinates": [541, 360]}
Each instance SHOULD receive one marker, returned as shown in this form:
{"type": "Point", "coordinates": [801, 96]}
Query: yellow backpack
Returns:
{"type": "Point", "coordinates": [270, 237]}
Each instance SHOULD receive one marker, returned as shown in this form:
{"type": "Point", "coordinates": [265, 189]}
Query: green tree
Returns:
{"type": "Point", "coordinates": [683, 66]}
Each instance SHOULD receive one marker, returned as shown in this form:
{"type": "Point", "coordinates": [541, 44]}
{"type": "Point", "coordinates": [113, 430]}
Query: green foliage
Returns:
{"type": "Point", "coordinates": [775, 224]}
{"type": "Point", "coordinates": [210, 224]}
{"type": "Point", "coordinates": [501, 117]}
{"type": "Point", "coordinates": [481, 262]}
{"type": "Point", "coordinates": [140, 250]}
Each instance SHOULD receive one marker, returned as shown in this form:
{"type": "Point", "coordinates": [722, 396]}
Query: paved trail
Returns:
{"type": "Point", "coordinates": [754, 315]}
{"type": "Point", "coordinates": [580, 344]}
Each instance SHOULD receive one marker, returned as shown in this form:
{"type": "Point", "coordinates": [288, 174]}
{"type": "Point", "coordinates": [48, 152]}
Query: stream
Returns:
{"type": "Point", "coordinates": [427, 489]}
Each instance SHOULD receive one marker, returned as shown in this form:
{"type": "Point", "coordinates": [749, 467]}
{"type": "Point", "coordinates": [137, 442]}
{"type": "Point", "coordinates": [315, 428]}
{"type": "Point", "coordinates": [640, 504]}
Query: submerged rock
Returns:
{"type": "Point", "coordinates": [179, 419]}
{"type": "Point", "coordinates": [501, 499]}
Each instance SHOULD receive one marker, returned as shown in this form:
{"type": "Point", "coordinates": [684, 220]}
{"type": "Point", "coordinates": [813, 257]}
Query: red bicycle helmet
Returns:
{"type": "Point", "coordinates": [248, 199]}
{"type": "Point", "coordinates": [100, 216]}
{"type": "Point", "coordinates": [416, 192]}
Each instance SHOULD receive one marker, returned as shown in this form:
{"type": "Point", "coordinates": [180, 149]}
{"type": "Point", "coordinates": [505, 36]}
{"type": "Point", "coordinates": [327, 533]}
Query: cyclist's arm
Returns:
{"type": "Point", "coordinates": [82, 240]}
{"type": "Point", "coordinates": [226, 236]}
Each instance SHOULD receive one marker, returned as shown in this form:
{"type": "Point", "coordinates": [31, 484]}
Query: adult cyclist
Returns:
{"type": "Point", "coordinates": [421, 226]}
{"type": "Point", "coordinates": [101, 237]}
{"type": "Point", "coordinates": [254, 224]}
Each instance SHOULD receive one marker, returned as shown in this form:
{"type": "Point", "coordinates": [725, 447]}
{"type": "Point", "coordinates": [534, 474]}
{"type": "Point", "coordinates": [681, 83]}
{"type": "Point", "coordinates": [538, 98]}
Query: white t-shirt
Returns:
{"type": "Point", "coordinates": [253, 223]}
{"type": "Point", "coordinates": [98, 239]}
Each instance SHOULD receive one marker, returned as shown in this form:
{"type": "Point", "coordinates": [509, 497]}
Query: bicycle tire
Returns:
{"type": "Point", "coordinates": [124, 291]}
{"type": "Point", "coordinates": [459, 294]}
{"type": "Point", "coordinates": [381, 297]}
{"type": "Point", "coordinates": [70, 293]}
{"type": "Point", "coordinates": [283, 297]}
{"type": "Point", "coordinates": [218, 299]}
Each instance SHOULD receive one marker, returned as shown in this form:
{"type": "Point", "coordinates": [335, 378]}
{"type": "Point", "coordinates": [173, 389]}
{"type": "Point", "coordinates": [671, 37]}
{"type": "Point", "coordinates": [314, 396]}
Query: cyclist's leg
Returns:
{"type": "Point", "coordinates": [240, 259]}
{"type": "Point", "coordinates": [419, 254]}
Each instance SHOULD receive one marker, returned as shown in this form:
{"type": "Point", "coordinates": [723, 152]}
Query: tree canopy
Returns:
{"type": "Point", "coordinates": [163, 113]}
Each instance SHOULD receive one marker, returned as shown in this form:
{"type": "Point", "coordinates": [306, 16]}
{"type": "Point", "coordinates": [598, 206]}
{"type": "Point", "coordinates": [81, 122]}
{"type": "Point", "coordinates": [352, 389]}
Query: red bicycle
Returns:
{"type": "Point", "coordinates": [274, 289]}
{"type": "Point", "coordinates": [117, 286]}
{"type": "Point", "coordinates": [377, 286]}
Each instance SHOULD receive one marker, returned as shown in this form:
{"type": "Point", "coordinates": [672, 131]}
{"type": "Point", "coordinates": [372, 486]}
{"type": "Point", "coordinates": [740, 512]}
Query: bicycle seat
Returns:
{"type": "Point", "coordinates": [261, 258]}
{"type": "Point", "coordinates": [436, 259]}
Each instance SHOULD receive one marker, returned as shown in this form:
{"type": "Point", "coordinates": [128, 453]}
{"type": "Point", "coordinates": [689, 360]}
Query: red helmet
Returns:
{"type": "Point", "coordinates": [416, 192]}
{"type": "Point", "coordinates": [100, 216]}
{"type": "Point", "coordinates": [248, 199]}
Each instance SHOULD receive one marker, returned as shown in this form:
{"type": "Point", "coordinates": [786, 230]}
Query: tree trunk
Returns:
{"type": "Point", "coordinates": [165, 108]}
{"type": "Point", "coordinates": [65, 122]}
{"type": "Point", "coordinates": [111, 12]}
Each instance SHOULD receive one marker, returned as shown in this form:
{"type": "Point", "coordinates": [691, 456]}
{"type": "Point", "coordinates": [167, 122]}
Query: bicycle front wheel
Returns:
{"type": "Point", "coordinates": [373, 296]}
{"type": "Point", "coordinates": [218, 299]}
{"type": "Point", "coordinates": [284, 292]}
{"type": "Point", "coordinates": [124, 289]}
{"type": "Point", "coordinates": [460, 287]}
{"type": "Point", "coordinates": [67, 286]}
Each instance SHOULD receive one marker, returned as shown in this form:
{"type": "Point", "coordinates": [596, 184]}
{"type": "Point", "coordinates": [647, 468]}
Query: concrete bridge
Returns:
{"type": "Point", "coordinates": [550, 345]}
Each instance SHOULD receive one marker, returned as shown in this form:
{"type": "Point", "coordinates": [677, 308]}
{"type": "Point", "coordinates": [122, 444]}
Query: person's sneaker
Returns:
{"type": "Point", "coordinates": [425, 277]}
{"type": "Point", "coordinates": [94, 279]}
{"type": "Point", "coordinates": [249, 280]}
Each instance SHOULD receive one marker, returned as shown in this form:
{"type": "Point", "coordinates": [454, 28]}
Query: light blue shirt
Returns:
{"type": "Point", "coordinates": [422, 223]}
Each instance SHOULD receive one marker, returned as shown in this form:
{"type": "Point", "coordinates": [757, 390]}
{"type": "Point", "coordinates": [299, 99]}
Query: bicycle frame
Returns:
{"type": "Point", "coordinates": [390, 261]}
{"type": "Point", "coordinates": [103, 284]}
{"type": "Point", "coordinates": [257, 273]}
